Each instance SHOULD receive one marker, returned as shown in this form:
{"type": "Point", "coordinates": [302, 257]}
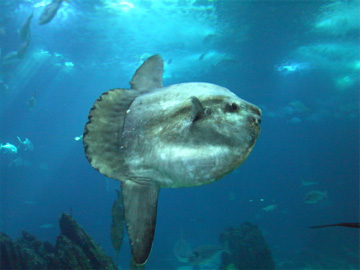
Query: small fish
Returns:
{"type": "Point", "coordinates": [49, 12]}
{"type": "Point", "coordinates": [269, 208]}
{"type": "Point", "coordinates": [3, 86]}
{"type": "Point", "coordinates": [201, 57]}
{"type": "Point", "coordinates": [28, 145]}
{"type": "Point", "coordinates": [31, 103]}
{"type": "Point", "coordinates": [46, 226]}
{"type": "Point", "coordinates": [118, 223]}
{"type": "Point", "coordinates": [10, 58]}
{"type": "Point", "coordinates": [8, 148]}
{"type": "Point", "coordinates": [182, 249]}
{"type": "Point", "coordinates": [315, 196]}
{"type": "Point", "coordinates": [350, 225]}
{"type": "Point", "coordinates": [206, 255]}
{"type": "Point", "coordinates": [78, 138]}
{"type": "Point", "coordinates": [306, 183]}
{"type": "Point", "coordinates": [24, 31]}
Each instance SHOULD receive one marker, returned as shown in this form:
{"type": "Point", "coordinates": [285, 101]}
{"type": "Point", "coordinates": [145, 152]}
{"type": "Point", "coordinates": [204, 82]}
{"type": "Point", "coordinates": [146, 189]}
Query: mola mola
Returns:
{"type": "Point", "coordinates": [151, 137]}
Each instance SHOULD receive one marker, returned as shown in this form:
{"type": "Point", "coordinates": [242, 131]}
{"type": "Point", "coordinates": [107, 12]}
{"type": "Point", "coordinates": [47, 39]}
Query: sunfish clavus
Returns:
{"type": "Point", "coordinates": [151, 137]}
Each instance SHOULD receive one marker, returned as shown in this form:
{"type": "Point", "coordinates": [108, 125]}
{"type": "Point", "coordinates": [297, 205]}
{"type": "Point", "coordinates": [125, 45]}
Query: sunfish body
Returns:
{"type": "Point", "coordinates": [49, 12]}
{"type": "Point", "coordinates": [150, 136]}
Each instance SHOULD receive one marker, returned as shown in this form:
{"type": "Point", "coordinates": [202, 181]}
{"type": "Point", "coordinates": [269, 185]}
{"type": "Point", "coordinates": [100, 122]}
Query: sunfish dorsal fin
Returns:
{"type": "Point", "coordinates": [140, 199]}
{"type": "Point", "coordinates": [149, 75]}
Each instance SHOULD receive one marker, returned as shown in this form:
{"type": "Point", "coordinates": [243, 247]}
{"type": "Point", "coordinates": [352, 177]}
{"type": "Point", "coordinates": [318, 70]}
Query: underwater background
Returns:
{"type": "Point", "coordinates": [299, 61]}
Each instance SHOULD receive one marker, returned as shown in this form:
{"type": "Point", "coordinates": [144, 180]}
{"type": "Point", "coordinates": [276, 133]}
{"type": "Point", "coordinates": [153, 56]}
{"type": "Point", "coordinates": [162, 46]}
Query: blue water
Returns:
{"type": "Point", "coordinates": [297, 60]}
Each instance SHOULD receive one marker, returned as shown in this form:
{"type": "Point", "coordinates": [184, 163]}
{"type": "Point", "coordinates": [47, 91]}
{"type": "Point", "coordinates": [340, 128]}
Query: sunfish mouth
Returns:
{"type": "Point", "coordinates": [253, 124]}
{"type": "Point", "coordinates": [254, 117]}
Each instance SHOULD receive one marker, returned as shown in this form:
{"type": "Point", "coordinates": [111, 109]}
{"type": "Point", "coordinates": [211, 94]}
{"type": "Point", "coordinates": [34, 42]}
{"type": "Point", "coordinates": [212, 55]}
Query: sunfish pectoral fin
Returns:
{"type": "Point", "coordinates": [197, 109]}
{"type": "Point", "coordinates": [140, 205]}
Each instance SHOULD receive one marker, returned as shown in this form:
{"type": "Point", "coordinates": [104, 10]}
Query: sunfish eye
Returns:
{"type": "Point", "coordinates": [207, 111]}
{"type": "Point", "coordinates": [234, 106]}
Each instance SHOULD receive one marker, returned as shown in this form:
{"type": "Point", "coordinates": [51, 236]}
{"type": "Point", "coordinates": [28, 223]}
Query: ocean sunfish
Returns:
{"type": "Point", "coordinates": [151, 137]}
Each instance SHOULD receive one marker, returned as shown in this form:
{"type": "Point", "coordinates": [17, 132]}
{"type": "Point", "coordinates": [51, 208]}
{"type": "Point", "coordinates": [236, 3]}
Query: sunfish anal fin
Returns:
{"type": "Point", "coordinates": [140, 199]}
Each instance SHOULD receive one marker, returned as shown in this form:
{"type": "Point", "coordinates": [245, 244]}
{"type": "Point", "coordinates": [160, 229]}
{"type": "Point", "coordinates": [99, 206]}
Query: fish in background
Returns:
{"type": "Point", "coordinates": [269, 208]}
{"type": "Point", "coordinates": [118, 224]}
{"type": "Point", "coordinates": [23, 48]}
{"type": "Point", "coordinates": [28, 145]}
{"type": "Point", "coordinates": [24, 31]}
{"type": "Point", "coordinates": [49, 12]}
{"type": "Point", "coordinates": [47, 226]}
{"type": "Point", "coordinates": [3, 85]}
{"type": "Point", "coordinates": [8, 148]}
{"type": "Point", "coordinates": [31, 103]}
{"type": "Point", "coordinates": [10, 58]}
{"type": "Point", "coordinates": [207, 256]}
{"type": "Point", "coordinates": [182, 249]}
{"type": "Point", "coordinates": [315, 196]}
{"type": "Point", "coordinates": [25, 36]}
{"type": "Point", "coordinates": [306, 183]}
{"type": "Point", "coordinates": [349, 225]}
{"type": "Point", "coordinates": [78, 138]}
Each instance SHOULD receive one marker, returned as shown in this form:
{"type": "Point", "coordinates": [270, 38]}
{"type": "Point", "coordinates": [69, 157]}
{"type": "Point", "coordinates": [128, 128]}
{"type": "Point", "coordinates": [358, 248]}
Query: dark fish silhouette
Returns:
{"type": "Point", "coordinates": [24, 31]}
{"type": "Point", "coordinates": [49, 12]}
{"type": "Point", "coordinates": [118, 223]}
{"type": "Point", "coordinates": [23, 48]}
{"type": "Point", "coordinates": [350, 225]}
{"type": "Point", "coordinates": [31, 103]}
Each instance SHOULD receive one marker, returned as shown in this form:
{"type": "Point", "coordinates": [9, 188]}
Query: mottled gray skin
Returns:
{"type": "Point", "coordinates": [162, 143]}
{"type": "Point", "coordinates": [151, 136]}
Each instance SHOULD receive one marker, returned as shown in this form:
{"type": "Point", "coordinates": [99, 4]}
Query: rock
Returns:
{"type": "Point", "coordinates": [247, 248]}
{"type": "Point", "coordinates": [9, 254]}
{"type": "Point", "coordinates": [74, 249]}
